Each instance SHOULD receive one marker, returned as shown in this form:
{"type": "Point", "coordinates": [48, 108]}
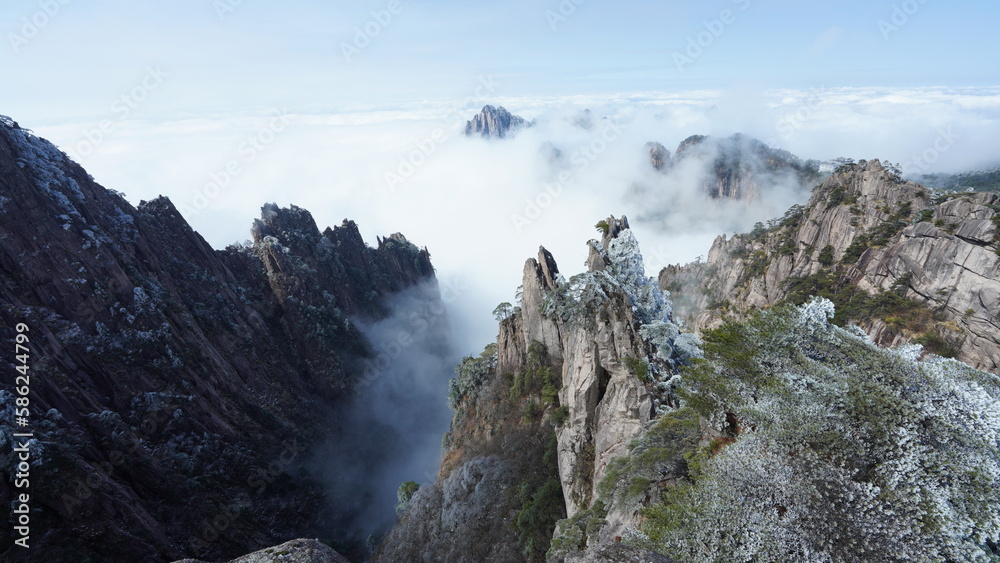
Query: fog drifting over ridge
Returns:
{"type": "Point", "coordinates": [483, 207]}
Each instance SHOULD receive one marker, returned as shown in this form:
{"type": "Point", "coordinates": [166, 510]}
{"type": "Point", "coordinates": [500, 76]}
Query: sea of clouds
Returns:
{"type": "Point", "coordinates": [483, 206]}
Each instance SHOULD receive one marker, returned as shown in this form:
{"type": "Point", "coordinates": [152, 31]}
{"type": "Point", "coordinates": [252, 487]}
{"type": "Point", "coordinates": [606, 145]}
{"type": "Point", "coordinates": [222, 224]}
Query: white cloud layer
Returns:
{"type": "Point", "coordinates": [462, 198]}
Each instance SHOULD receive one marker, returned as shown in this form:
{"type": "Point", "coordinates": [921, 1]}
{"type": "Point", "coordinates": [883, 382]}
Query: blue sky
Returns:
{"type": "Point", "coordinates": [231, 55]}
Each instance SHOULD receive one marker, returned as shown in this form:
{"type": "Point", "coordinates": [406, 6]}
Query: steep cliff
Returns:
{"type": "Point", "coordinates": [580, 367]}
{"type": "Point", "coordinates": [780, 436]}
{"type": "Point", "coordinates": [901, 265]}
{"type": "Point", "coordinates": [174, 389]}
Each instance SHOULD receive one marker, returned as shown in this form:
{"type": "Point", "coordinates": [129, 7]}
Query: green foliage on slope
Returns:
{"type": "Point", "coordinates": [540, 499]}
{"type": "Point", "coordinates": [855, 305]}
{"type": "Point", "coordinates": [404, 494]}
{"type": "Point", "coordinates": [537, 378]}
{"type": "Point", "coordinates": [662, 454]}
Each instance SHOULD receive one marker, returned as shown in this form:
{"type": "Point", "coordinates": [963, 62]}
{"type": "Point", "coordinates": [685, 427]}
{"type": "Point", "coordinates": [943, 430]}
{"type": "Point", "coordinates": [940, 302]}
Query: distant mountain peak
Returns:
{"type": "Point", "coordinates": [494, 123]}
{"type": "Point", "coordinates": [735, 167]}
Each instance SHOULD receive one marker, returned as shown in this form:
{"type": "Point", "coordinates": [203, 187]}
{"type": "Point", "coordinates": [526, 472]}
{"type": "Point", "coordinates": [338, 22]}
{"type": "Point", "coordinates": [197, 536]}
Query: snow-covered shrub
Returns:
{"type": "Point", "coordinates": [583, 295]}
{"type": "Point", "coordinates": [470, 375]}
{"type": "Point", "coordinates": [661, 335]}
{"type": "Point", "coordinates": [625, 265]}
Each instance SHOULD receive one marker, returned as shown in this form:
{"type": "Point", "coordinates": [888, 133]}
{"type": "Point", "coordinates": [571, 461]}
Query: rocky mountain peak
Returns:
{"type": "Point", "coordinates": [599, 351]}
{"type": "Point", "coordinates": [738, 166]}
{"type": "Point", "coordinates": [903, 265]}
{"type": "Point", "coordinates": [494, 123]}
{"type": "Point", "coordinates": [659, 156]}
{"type": "Point", "coordinates": [612, 227]}
{"type": "Point", "coordinates": [291, 224]}
{"type": "Point", "coordinates": [548, 266]}
{"type": "Point", "coordinates": [688, 143]}
{"type": "Point", "coordinates": [179, 370]}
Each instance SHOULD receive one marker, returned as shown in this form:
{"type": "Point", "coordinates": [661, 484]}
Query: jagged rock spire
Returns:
{"type": "Point", "coordinates": [494, 122]}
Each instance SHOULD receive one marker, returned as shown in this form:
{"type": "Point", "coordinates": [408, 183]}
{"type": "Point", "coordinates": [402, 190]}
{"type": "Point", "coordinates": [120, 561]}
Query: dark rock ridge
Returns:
{"type": "Point", "coordinates": [494, 123]}
{"type": "Point", "coordinates": [902, 265]}
{"type": "Point", "coordinates": [175, 389]}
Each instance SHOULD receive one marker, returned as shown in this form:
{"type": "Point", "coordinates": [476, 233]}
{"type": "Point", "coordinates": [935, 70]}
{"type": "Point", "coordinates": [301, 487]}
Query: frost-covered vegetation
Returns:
{"type": "Point", "coordinates": [470, 375]}
{"type": "Point", "coordinates": [831, 449]}
{"type": "Point", "coordinates": [979, 181]}
{"type": "Point", "coordinates": [901, 314]}
{"type": "Point", "coordinates": [540, 498]}
{"type": "Point", "coordinates": [587, 298]}
{"type": "Point", "coordinates": [581, 298]}
{"type": "Point", "coordinates": [582, 295]}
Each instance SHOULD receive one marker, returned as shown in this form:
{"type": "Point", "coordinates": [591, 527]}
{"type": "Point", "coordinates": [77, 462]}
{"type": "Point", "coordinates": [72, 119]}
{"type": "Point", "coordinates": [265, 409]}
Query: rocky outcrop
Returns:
{"type": "Point", "coordinates": [539, 278]}
{"type": "Point", "coordinates": [175, 389]}
{"type": "Point", "coordinates": [616, 553]}
{"type": "Point", "coordinates": [605, 403]}
{"type": "Point", "coordinates": [494, 123]}
{"type": "Point", "coordinates": [659, 156]}
{"type": "Point", "coordinates": [294, 551]}
{"type": "Point", "coordinates": [570, 356]}
{"type": "Point", "coordinates": [866, 228]}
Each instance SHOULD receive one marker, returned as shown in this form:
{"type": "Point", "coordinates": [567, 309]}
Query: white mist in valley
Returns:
{"type": "Point", "coordinates": [390, 431]}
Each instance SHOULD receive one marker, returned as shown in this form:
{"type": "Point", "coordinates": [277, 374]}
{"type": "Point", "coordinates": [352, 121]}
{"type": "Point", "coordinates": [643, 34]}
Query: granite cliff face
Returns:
{"type": "Point", "coordinates": [579, 412]}
{"type": "Point", "coordinates": [902, 265]}
{"type": "Point", "coordinates": [175, 389]}
{"type": "Point", "coordinates": [570, 381]}
{"type": "Point", "coordinates": [294, 551]}
{"type": "Point", "coordinates": [494, 123]}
